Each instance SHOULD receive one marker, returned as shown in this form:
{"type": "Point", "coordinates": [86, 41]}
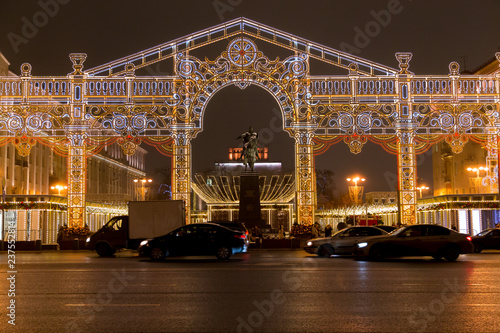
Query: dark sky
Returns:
{"type": "Point", "coordinates": [436, 32]}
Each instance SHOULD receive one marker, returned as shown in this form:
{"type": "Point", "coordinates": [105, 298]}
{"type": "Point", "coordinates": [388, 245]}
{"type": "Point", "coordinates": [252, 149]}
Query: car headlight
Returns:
{"type": "Point", "coordinates": [88, 239]}
{"type": "Point", "coordinates": [309, 243]}
{"type": "Point", "coordinates": [144, 242]}
{"type": "Point", "coordinates": [362, 245]}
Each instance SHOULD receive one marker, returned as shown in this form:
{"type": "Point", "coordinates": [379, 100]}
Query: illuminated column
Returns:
{"type": "Point", "coordinates": [492, 163]}
{"type": "Point", "coordinates": [77, 154]}
{"type": "Point", "coordinates": [76, 175]}
{"type": "Point", "coordinates": [497, 125]}
{"type": "Point", "coordinates": [304, 174]}
{"type": "Point", "coordinates": [181, 165]}
{"type": "Point", "coordinates": [407, 178]}
{"type": "Point", "coordinates": [407, 157]}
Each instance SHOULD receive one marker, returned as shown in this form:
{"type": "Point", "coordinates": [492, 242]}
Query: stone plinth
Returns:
{"type": "Point", "coordinates": [250, 212]}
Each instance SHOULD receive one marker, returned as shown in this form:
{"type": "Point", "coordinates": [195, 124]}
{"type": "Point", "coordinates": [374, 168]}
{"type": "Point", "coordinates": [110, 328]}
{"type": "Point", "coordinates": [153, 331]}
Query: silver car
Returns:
{"type": "Point", "coordinates": [342, 242]}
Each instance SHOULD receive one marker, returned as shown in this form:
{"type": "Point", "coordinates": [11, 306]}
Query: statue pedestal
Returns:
{"type": "Point", "coordinates": [250, 200]}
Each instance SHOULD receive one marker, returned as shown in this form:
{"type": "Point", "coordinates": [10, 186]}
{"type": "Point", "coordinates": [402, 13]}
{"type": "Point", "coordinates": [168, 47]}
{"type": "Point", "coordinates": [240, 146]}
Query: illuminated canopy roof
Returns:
{"type": "Point", "coordinates": [238, 27]}
{"type": "Point", "coordinates": [217, 189]}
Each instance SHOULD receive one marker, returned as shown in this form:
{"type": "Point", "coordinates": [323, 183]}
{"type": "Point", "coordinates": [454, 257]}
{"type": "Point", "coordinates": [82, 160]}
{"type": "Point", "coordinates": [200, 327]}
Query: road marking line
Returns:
{"type": "Point", "coordinates": [111, 304]}
{"type": "Point", "coordinates": [436, 284]}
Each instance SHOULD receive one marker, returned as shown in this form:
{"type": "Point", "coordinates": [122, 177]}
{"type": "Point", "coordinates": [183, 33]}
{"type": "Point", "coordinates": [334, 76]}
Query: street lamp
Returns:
{"type": "Point", "coordinates": [142, 188]}
{"type": "Point", "coordinates": [476, 182]}
{"type": "Point", "coordinates": [59, 188]}
{"type": "Point", "coordinates": [476, 170]}
{"type": "Point", "coordinates": [355, 192]}
{"type": "Point", "coordinates": [423, 187]}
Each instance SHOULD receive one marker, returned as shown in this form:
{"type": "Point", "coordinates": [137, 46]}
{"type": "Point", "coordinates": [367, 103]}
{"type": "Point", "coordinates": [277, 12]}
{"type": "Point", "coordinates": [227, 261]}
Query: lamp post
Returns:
{"type": "Point", "coordinates": [59, 188]}
{"type": "Point", "coordinates": [476, 182]}
{"type": "Point", "coordinates": [355, 192]}
{"type": "Point", "coordinates": [141, 187]}
{"type": "Point", "coordinates": [423, 187]}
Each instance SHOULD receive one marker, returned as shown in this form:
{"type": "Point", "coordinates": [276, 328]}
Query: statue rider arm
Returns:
{"type": "Point", "coordinates": [242, 136]}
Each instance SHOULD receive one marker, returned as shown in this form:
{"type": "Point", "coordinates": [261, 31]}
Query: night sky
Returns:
{"type": "Point", "coordinates": [436, 32]}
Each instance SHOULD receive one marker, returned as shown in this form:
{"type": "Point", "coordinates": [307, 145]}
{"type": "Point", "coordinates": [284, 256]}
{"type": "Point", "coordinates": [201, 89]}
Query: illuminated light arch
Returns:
{"type": "Point", "coordinates": [282, 79]}
{"type": "Point", "coordinates": [396, 108]}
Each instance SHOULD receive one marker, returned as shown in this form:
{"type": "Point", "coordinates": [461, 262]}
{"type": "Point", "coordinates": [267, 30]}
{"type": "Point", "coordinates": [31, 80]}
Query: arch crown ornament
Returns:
{"type": "Point", "coordinates": [242, 64]}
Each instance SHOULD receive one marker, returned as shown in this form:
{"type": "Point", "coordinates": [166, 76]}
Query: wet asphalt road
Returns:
{"type": "Point", "coordinates": [260, 291]}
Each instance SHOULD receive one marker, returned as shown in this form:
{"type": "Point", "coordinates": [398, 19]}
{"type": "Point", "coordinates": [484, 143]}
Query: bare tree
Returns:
{"type": "Point", "coordinates": [325, 187]}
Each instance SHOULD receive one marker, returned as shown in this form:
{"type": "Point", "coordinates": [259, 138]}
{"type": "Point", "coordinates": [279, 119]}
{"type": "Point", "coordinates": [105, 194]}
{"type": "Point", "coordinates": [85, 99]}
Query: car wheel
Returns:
{"type": "Point", "coordinates": [325, 251]}
{"type": "Point", "coordinates": [478, 248]}
{"type": "Point", "coordinates": [104, 250]}
{"type": "Point", "coordinates": [223, 253]}
{"type": "Point", "coordinates": [157, 253]}
{"type": "Point", "coordinates": [451, 252]}
{"type": "Point", "coordinates": [437, 256]}
{"type": "Point", "coordinates": [377, 252]}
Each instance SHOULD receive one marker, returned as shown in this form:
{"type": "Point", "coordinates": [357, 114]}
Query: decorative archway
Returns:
{"type": "Point", "coordinates": [405, 113]}
{"type": "Point", "coordinates": [242, 64]}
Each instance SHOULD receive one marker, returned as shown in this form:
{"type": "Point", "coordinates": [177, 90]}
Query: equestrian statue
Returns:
{"type": "Point", "coordinates": [250, 153]}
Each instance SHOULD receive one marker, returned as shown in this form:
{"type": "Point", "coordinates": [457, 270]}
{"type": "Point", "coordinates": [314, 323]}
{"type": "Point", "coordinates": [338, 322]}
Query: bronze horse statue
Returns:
{"type": "Point", "coordinates": [250, 154]}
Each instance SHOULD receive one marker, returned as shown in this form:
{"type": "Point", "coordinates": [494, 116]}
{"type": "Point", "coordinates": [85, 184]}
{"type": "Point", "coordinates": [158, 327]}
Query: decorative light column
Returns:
{"type": "Point", "coordinates": [181, 165]}
{"type": "Point", "coordinates": [407, 166]}
{"type": "Point", "coordinates": [77, 154]}
{"type": "Point", "coordinates": [304, 174]}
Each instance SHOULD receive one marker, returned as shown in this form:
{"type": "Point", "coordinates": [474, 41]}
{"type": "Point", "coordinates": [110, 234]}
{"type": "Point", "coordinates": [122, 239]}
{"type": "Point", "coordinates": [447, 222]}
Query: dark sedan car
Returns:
{"type": "Point", "coordinates": [486, 239]}
{"type": "Point", "coordinates": [196, 240]}
{"type": "Point", "coordinates": [416, 240]}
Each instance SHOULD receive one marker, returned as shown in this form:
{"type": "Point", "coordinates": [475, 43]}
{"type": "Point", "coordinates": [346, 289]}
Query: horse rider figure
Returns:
{"type": "Point", "coordinates": [249, 153]}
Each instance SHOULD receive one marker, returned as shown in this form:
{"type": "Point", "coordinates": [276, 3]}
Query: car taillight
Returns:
{"type": "Point", "coordinates": [469, 238]}
{"type": "Point", "coordinates": [240, 236]}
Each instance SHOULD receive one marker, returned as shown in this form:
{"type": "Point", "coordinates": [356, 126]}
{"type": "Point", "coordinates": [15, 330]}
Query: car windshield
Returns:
{"type": "Point", "coordinates": [338, 232]}
{"type": "Point", "coordinates": [114, 224]}
{"type": "Point", "coordinates": [483, 233]}
{"type": "Point", "coordinates": [398, 231]}
{"type": "Point", "coordinates": [392, 231]}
